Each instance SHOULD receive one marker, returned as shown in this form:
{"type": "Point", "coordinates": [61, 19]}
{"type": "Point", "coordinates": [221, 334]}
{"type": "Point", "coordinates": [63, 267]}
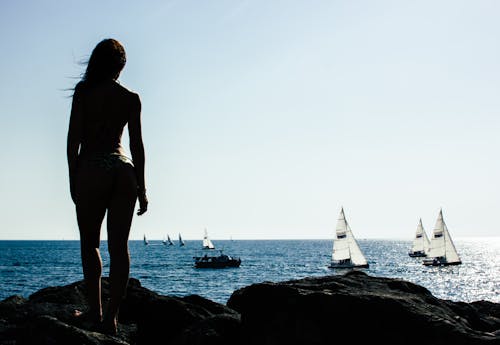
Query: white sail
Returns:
{"type": "Point", "coordinates": [207, 244]}
{"type": "Point", "coordinates": [421, 241]}
{"type": "Point", "coordinates": [441, 243]}
{"type": "Point", "coordinates": [345, 246]}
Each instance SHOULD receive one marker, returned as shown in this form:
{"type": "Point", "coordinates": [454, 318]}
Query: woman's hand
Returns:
{"type": "Point", "coordinates": [72, 188]}
{"type": "Point", "coordinates": [143, 202]}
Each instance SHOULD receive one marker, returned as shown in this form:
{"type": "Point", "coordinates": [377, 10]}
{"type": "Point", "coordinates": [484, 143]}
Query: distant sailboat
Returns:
{"type": "Point", "coordinates": [346, 252]}
{"type": "Point", "coordinates": [168, 241]}
{"type": "Point", "coordinates": [207, 244]}
{"type": "Point", "coordinates": [145, 240]}
{"type": "Point", "coordinates": [442, 251]}
{"type": "Point", "coordinates": [181, 242]}
{"type": "Point", "coordinates": [420, 245]}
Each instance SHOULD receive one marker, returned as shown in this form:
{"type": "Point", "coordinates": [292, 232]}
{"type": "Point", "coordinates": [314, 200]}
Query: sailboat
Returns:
{"type": "Point", "coordinates": [168, 241]}
{"type": "Point", "coordinates": [420, 245]}
{"type": "Point", "coordinates": [181, 242]}
{"type": "Point", "coordinates": [207, 244]}
{"type": "Point", "coordinates": [145, 240]}
{"type": "Point", "coordinates": [442, 251]}
{"type": "Point", "coordinates": [346, 252]}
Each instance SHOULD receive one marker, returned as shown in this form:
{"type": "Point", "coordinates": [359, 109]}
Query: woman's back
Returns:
{"type": "Point", "coordinates": [106, 109]}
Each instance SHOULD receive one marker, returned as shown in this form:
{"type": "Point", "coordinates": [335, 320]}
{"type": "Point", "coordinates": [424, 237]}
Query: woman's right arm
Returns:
{"type": "Point", "coordinates": [137, 151]}
{"type": "Point", "coordinates": [74, 139]}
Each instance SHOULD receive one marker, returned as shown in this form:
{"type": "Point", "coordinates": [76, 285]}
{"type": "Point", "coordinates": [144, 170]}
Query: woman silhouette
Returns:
{"type": "Point", "coordinates": [102, 179]}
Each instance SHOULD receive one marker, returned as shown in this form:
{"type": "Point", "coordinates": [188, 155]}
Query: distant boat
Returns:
{"type": "Point", "coordinates": [145, 240]}
{"type": "Point", "coordinates": [170, 243]}
{"type": "Point", "coordinates": [346, 252]}
{"type": "Point", "coordinates": [216, 261]}
{"type": "Point", "coordinates": [207, 244]}
{"type": "Point", "coordinates": [181, 242]}
{"type": "Point", "coordinates": [442, 251]}
{"type": "Point", "coordinates": [420, 245]}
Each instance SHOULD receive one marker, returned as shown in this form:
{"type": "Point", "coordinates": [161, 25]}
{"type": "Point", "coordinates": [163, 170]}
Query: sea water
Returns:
{"type": "Point", "coordinates": [27, 266]}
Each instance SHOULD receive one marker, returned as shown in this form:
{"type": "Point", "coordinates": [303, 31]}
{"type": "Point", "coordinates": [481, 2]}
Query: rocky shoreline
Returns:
{"type": "Point", "coordinates": [354, 307]}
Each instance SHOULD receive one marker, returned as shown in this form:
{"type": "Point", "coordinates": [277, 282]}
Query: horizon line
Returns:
{"type": "Point", "coordinates": [251, 239]}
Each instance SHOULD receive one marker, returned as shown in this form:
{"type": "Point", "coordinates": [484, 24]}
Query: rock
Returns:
{"type": "Point", "coordinates": [47, 329]}
{"type": "Point", "coordinates": [356, 308]}
{"type": "Point", "coordinates": [168, 320]}
{"type": "Point", "coordinates": [353, 308]}
{"type": "Point", "coordinates": [145, 318]}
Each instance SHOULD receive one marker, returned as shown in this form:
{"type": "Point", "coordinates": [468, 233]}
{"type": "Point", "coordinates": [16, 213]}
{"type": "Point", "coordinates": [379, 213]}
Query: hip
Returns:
{"type": "Point", "coordinates": [104, 161]}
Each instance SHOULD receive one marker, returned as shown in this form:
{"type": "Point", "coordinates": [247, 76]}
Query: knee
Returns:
{"type": "Point", "coordinates": [89, 248]}
{"type": "Point", "coordinates": [118, 252]}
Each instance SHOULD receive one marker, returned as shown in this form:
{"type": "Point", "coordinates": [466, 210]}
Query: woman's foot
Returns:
{"type": "Point", "coordinates": [87, 320]}
{"type": "Point", "coordinates": [109, 326]}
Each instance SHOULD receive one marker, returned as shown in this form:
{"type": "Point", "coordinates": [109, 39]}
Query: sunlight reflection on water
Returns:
{"type": "Point", "coordinates": [169, 269]}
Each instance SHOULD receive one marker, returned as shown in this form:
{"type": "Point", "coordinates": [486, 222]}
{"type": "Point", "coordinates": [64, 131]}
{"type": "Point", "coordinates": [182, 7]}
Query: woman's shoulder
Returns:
{"type": "Point", "coordinates": [79, 87]}
{"type": "Point", "coordinates": [131, 95]}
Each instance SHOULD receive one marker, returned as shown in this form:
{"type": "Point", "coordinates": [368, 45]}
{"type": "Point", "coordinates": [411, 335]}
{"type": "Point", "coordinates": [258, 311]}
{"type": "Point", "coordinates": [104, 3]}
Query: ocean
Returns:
{"type": "Point", "coordinates": [27, 266]}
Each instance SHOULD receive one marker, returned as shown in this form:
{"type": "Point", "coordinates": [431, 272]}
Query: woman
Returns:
{"type": "Point", "coordinates": [102, 179]}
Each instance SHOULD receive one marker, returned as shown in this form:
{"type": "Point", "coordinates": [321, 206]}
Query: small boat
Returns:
{"type": "Point", "coordinates": [346, 252]}
{"type": "Point", "coordinates": [144, 240]}
{"type": "Point", "coordinates": [420, 245]}
{"type": "Point", "coordinates": [442, 251]}
{"type": "Point", "coordinates": [168, 241]}
{"type": "Point", "coordinates": [216, 261]}
{"type": "Point", "coordinates": [181, 242]}
{"type": "Point", "coordinates": [207, 244]}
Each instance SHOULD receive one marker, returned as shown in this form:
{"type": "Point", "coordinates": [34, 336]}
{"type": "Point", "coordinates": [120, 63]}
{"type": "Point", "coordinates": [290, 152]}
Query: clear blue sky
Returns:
{"type": "Point", "coordinates": [262, 118]}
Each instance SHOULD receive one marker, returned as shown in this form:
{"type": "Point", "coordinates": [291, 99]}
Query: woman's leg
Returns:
{"type": "Point", "coordinates": [92, 194]}
{"type": "Point", "coordinates": [89, 221]}
{"type": "Point", "coordinates": [120, 213]}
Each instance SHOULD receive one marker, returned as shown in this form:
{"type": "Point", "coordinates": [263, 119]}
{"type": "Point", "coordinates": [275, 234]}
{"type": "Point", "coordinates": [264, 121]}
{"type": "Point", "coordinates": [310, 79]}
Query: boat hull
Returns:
{"type": "Point", "coordinates": [346, 266]}
{"type": "Point", "coordinates": [222, 261]}
{"type": "Point", "coordinates": [438, 262]}
{"type": "Point", "coordinates": [235, 263]}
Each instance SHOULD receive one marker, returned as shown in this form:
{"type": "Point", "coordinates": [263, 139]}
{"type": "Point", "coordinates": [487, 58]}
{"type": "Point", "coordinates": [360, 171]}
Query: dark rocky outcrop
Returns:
{"type": "Point", "coordinates": [359, 309]}
{"type": "Point", "coordinates": [354, 308]}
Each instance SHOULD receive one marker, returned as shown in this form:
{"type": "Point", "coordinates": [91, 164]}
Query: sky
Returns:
{"type": "Point", "coordinates": [261, 119]}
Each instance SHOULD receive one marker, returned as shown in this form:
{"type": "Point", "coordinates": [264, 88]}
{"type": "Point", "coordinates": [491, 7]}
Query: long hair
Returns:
{"type": "Point", "coordinates": [105, 63]}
